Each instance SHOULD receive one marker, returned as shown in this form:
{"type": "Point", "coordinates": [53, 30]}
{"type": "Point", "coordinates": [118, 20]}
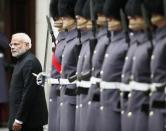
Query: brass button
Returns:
{"type": "Point", "coordinates": [61, 104]}
{"type": "Point", "coordinates": [151, 113]}
{"type": "Point", "coordinates": [129, 114]}
{"type": "Point", "coordinates": [101, 108]}
{"type": "Point", "coordinates": [89, 102]}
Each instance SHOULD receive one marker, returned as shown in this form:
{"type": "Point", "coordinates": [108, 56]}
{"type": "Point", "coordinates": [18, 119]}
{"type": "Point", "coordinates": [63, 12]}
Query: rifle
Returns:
{"type": "Point", "coordinates": [164, 7]}
{"type": "Point", "coordinates": [147, 27]}
{"type": "Point", "coordinates": [93, 19]}
{"type": "Point", "coordinates": [124, 23]}
{"type": "Point", "coordinates": [125, 26]}
{"type": "Point", "coordinates": [108, 33]}
{"type": "Point", "coordinates": [77, 49]}
{"type": "Point", "coordinates": [51, 30]}
{"type": "Point", "coordinates": [147, 23]}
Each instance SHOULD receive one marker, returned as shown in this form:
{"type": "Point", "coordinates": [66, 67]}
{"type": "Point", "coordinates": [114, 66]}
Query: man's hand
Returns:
{"type": "Point", "coordinates": [16, 126]}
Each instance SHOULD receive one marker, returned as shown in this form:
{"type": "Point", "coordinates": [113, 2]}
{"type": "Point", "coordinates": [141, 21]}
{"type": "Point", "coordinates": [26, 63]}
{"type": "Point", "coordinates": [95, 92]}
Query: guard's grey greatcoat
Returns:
{"type": "Point", "coordinates": [68, 98]}
{"type": "Point", "coordinates": [83, 66]}
{"type": "Point", "coordinates": [79, 66]}
{"type": "Point", "coordinates": [111, 74]}
{"type": "Point", "coordinates": [125, 79]}
{"type": "Point", "coordinates": [137, 112]}
{"type": "Point", "coordinates": [157, 115]}
{"type": "Point", "coordinates": [94, 92]}
{"type": "Point", "coordinates": [53, 116]}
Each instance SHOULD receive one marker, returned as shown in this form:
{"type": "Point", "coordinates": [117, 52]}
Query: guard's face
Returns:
{"type": "Point", "coordinates": [113, 24]}
{"type": "Point", "coordinates": [158, 20]}
{"type": "Point", "coordinates": [81, 22]}
{"type": "Point", "coordinates": [58, 23]}
{"type": "Point", "coordinates": [101, 20]}
{"type": "Point", "coordinates": [89, 25]}
{"type": "Point", "coordinates": [136, 23]}
{"type": "Point", "coordinates": [68, 22]}
{"type": "Point", "coordinates": [18, 47]}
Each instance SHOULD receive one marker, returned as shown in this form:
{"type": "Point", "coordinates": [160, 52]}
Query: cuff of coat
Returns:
{"type": "Point", "coordinates": [17, 121]}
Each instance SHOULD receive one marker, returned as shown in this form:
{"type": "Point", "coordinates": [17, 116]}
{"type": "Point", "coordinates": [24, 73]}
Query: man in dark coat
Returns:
{"type": "Point", "coordinates": [28, 110]}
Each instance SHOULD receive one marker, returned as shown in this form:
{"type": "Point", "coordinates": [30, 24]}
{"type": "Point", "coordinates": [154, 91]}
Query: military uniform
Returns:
{"type": "Point", "coordinates": [94, 92]}
{"type": "Point", "coordinates": [110, 84]}
{"type": "Point", "coordinates": [54, 117]}
{"type": "Point", "coordinates": [84, 71]}
{"type": "Point", "coordinates": [140, 81]}
{"type": "Point", "coordinates": [125, 79]}
{"type": "Point", "coordinates": [69, 63]}
{"type": "Point", "coordinates": [83, 85]}
{"type": "Point", "coordinates": [157, 115]}
{"type": "Point", "coordinates": [81, 25]}
{"type": "Point", "coordinates": [137, 110]}
{"type": "Point", "coordinates": [68, 96]}
{"type": "Point", "coordinates": [112, 69]}
{"type": "Point", "coordinates": [96, 59]}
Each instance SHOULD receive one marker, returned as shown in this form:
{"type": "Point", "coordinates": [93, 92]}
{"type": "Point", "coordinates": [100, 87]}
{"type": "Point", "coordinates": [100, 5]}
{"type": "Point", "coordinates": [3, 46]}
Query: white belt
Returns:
{"type": "Point", "coordinates": [125, 87]}
{"type": "Point", "coordinates": [85, 84]}
{"type": "Point", "coordinates": [61, 81]}
{"type": "Point", "coordinates": [139, 86]}
{"type": "Point", "coordinates": [53, 81]}
{"type": "Point", "coordinates": [66, 82]}
{"type": "Point", "coordinates": [94, 80]}
{"type": "Point", "coordinates": [110, 85]}
{"type": "Point", "coordinates": [155, 85]}
{"type": "Point", "coordinates": [1, 55]}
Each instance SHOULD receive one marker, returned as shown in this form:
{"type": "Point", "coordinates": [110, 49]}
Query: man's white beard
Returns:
{"type": "Point", "coordinates": [19, 53]}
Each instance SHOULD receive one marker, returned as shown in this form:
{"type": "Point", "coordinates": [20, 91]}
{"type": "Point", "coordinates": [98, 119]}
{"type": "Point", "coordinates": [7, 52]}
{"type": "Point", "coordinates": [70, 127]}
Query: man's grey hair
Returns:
{"type": "Point", "coordinates": [24, 37]}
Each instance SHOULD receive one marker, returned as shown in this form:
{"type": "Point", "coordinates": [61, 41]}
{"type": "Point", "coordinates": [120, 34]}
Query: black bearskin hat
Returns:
{"type": "Point", "coordinates": [66, 8]}
{"type": "Point", "coordinates": [133, 7]}
{"type": "Point", "coordinates": [99, 4]}
{"type": "Point", "coordinates": [112, 8]}
{"type": "Point", "coordinates": [155, 6]}
{"type": "Point", "coordinates": [86, 9]}
{"type": "Point", "coordinates": [79, 7]}
{"type": "Point", "coordinates": [53, 9]}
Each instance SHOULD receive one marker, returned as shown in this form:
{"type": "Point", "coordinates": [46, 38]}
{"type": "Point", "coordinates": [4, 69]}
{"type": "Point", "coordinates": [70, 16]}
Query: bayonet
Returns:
{"type": "Point", "coordinates": [50, 29]}
{"type": "Point", "coordinates": [147, 23]}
